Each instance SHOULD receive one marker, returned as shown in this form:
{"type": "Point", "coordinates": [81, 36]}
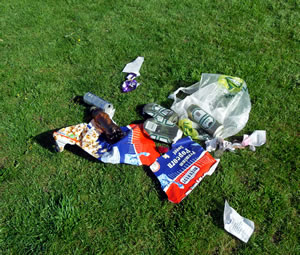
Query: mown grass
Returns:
{"type": "Point", "coordinates": [67, 203]}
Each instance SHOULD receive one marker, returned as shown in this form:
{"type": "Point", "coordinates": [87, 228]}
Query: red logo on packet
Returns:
{"type": "Point", "coordinates": [142, 144]}
{"type": "Point", "coordinates": [182, 168]}
{"type": "Point", "coordinates": [190, 178]}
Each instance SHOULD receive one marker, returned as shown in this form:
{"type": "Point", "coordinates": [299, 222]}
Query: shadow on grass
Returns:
{"type": "Point", "coordinates": [47, 141]}
{"type": "Point", "coordinates": [161, 194]}
{"type": "Point", "coordinates": [81, 153]}
{"type": "Point", "coordinates": [139, 110]}
{"type": "Point", "coordinates": [217, 214]}
{"type": "Point", "coordinates": [87, 112]}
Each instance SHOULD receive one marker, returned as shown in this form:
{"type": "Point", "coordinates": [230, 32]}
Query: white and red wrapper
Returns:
{"type": "Point", "coordinates": [182, 168]}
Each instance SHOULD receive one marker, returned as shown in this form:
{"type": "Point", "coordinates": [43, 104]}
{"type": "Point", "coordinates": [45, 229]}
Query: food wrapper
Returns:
{"type": "Point", "coordinates": [135, 148]}
{"type": "Point", "coordinates": [182, 168]}
{"type": "Point", "coordinates": [134, 66]}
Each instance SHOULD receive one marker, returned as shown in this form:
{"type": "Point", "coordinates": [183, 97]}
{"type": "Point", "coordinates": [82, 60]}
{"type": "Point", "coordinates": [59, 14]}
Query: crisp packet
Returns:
{"type": "Point", "coordinates": [133, 70]}
{"type": "Point", "coordinates": [182, 168]}
{"type": "Point", "coordinates": [135, 148]}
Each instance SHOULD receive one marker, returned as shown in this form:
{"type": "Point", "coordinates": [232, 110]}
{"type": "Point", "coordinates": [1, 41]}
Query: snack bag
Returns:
{"type": "Point", "coordinates": [182, 168]}
{"type": "Point", "coordinates": [135, 148]}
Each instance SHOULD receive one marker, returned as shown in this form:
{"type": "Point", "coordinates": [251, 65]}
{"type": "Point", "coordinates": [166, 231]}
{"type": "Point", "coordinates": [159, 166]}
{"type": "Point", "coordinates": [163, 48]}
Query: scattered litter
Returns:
{"type": "Point", "coordinates": [192, 129]}
{"type": "Point", "coordinates": [182, 168]}
{"type": "Point", "coordinates": [205, 120]}
{"type": "Point", "coordinates": [220, 144]}
{"type": "Point", "coordinates": [223, 97]}
{"type": "Point", "coordinates": [215, 108]}
{"type": "Point", "coordinates": [106, 126]}
{"type": "Point", "coordinates": [237, 225]}
{"type": "Point", "coordinates": [256, 139]}
{"type": "Point", "coordinates": [162, 132]}
{"type": "Point", "coordinates": [135, 148]}
{"type": "Point", "coordinates": [100, 103]}
{"type": "Point", "coordinates": [130, 83]}
{"type": "Point", "coordinates": [162, 126]}
{"type": "Point", "coordinates": [162, 149]}
{"type": "Point", "coordinates": [133, 69]}
{"type": "Point", "coordinates": [161, 114]}
{"type": "Point", "coordinates": [73, 135]}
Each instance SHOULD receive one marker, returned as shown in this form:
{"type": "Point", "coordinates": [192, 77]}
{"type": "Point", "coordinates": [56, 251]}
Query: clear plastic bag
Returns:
{"type": "Point", "coordinates": [225, 98]}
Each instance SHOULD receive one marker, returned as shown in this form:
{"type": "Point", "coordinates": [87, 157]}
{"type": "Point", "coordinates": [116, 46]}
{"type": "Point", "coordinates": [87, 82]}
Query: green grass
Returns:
{"type": "Point", "coordinates": [52, 51]}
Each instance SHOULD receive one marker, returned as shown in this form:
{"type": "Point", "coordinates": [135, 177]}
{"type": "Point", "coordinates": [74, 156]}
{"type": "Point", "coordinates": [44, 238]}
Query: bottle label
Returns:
{"type": "Point", "coordinates": [208, 122]}
{"type": "Point", "coordinates": [151, 126]}
{"type": "Point", "coordinates": [205, 120]}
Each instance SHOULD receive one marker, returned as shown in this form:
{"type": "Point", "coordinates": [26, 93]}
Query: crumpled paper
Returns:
{"type": "Point", "coordinates": [256, 139]}
{"type": "Point", "coordinates": [237, 225]}
{"type": "Point", "coordinates": [134, 67]}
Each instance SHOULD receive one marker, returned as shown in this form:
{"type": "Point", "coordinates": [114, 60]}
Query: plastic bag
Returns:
{"type": "Point", "coordinates": [226, 98]}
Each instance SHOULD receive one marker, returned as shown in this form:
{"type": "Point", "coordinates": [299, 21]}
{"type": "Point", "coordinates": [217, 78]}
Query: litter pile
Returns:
{"type": "Point", "coordinates": [213, 109]}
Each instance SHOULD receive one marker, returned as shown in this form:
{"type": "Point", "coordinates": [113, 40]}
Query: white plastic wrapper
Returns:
{"type": "Point", "coordinates": [237, 225]}
{"type": "Point", "coordinates": [225, 98]}
{"type": "Point", "coordinates": [134, 67]}
{"type": "Point", "coordinates": [256, 139]}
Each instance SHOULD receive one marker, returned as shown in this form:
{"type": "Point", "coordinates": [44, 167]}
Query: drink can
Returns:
{"type": "Point", "coordinates": [205, 120]}
{"type": "Point", "coordinates": [91, 99]}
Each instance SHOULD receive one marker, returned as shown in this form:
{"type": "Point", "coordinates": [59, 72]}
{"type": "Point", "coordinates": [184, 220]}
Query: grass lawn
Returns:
{"type": "Point", "coordinates": [67, 203]}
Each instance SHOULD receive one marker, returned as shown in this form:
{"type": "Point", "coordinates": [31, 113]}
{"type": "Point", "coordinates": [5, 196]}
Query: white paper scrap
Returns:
{"type": "Point", "coordinates": [237, 225]}
{"type": "Point", "coordinates": [134, 67]}
{"type": "Point", "coordinates": [211, 145]}
{"type": "Point", "coordinates": [257, 138]}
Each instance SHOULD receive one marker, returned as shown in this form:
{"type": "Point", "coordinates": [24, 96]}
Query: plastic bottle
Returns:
{"type": "Point", "coordinates": [105, 125]}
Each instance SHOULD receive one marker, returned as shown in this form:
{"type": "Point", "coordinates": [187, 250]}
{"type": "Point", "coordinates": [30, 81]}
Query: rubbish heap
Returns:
{"type": "Point", "coordinates": [215, 108]}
